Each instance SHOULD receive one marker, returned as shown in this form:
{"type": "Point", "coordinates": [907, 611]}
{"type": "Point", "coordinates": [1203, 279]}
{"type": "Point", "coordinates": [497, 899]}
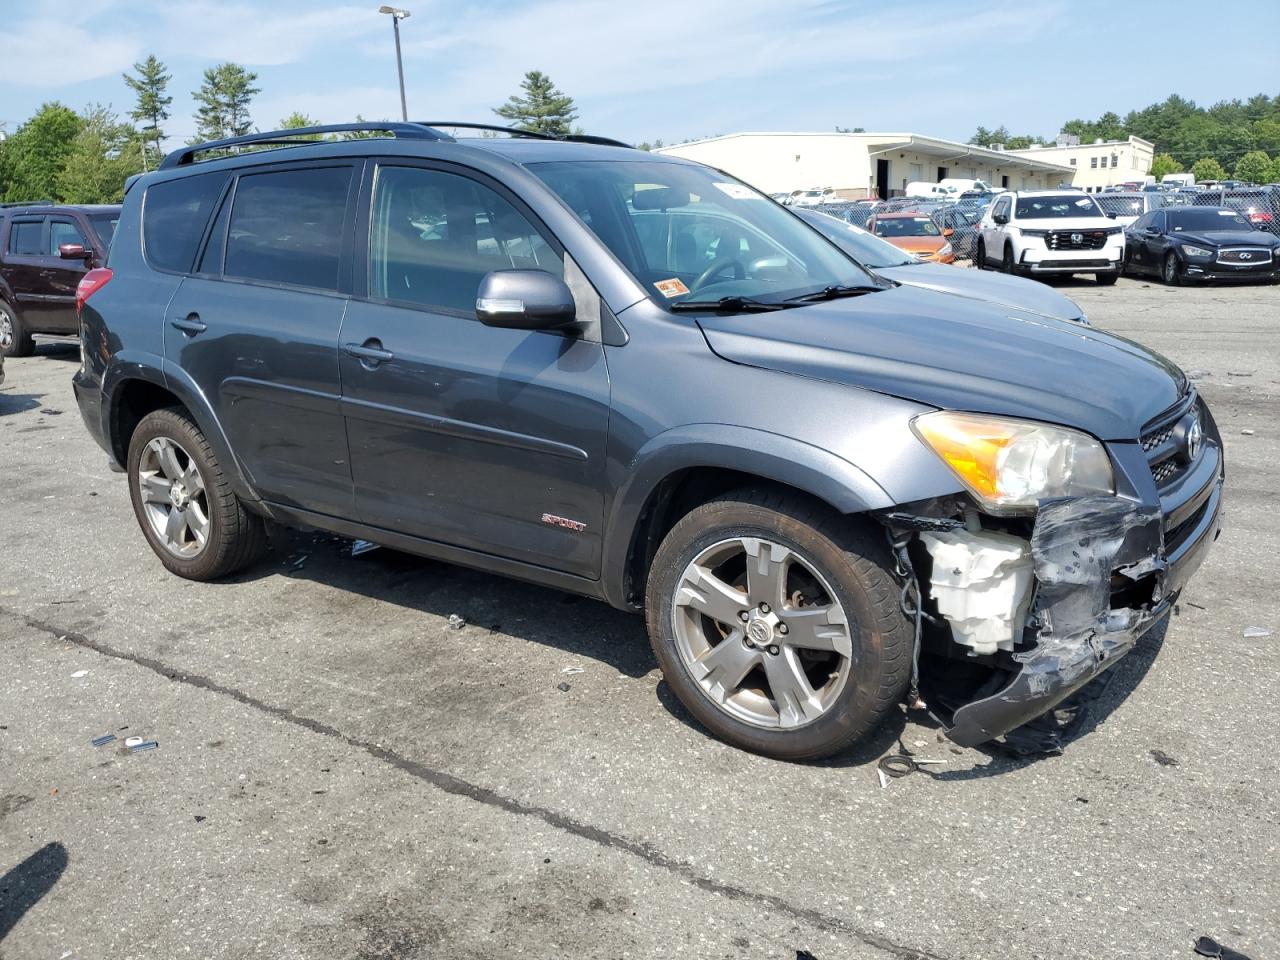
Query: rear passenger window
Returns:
{"type": "Point", "coordinates": [174, 215]}
{"type": "Point", "coordinates": [24, 238]}
{"type": "Point", "coordinates": [286, 227]}
{"type": "Point", "coordinates": [435, 235]}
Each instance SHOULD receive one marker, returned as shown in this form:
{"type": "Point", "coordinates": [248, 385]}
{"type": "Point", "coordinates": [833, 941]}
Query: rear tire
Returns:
{"type": "Point", "coordinates": [15, 341]}
{"type": "Point", "coordinates": [980, 256]}
{"type": "Point", "coordinates": [808, 673]}
{"type": "Point", "coordinates": [184, 503]}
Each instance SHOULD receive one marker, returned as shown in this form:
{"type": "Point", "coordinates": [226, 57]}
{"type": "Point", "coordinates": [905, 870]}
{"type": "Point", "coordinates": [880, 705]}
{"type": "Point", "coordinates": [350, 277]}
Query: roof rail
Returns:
{"type": "Point", "coordinates": [291, 138]}
{"type": "Point", "coordinates": [28, 203]}
{"type": "Point", "coordinates": [530, 134]}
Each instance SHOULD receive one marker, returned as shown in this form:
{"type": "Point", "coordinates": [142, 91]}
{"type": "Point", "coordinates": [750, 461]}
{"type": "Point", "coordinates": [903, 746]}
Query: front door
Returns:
{"type": "Point", "coordinates": [63, 276]}
{"type": "Point", "coordinates": [257, 324]}
{"type": "Point", "coordinates": [488, 439]}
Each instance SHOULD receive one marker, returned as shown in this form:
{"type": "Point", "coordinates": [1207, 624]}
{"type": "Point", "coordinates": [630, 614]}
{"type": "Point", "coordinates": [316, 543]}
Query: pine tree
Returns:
{"type": "Point", "coordinates": [542, 109]}
{"type": "Point", "coordinates": [223, 102]}
{"type": "Point", "coordinates": [151, 86]}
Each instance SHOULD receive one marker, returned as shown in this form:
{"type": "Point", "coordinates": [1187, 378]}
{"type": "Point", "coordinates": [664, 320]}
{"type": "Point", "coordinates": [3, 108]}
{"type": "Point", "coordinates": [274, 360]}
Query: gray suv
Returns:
{"type": "Point", "coordinates": [638, 379]}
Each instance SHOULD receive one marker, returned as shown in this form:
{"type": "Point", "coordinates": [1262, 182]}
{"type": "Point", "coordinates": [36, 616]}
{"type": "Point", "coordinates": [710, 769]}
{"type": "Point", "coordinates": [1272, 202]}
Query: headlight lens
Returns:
{"type": "Point", "coordinates": [1191, 251]}
{"type": "Point", "coordinates": [1010, 465]}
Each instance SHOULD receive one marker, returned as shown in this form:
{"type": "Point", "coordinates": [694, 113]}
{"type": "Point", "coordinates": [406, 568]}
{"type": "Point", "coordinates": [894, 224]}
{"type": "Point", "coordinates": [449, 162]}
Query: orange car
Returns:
{"type": "Point", "coordinates": [915, 233]}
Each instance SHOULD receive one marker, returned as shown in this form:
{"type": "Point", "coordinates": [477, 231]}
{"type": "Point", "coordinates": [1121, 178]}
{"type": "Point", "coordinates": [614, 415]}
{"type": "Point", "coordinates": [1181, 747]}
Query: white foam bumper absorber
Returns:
{"type": "Point", "coordinates": [981, 583]}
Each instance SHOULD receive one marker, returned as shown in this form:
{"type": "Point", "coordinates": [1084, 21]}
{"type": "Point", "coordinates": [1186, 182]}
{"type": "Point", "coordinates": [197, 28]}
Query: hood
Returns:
{"type": "Point", "coordinates": [1061, 224]}
{"type": "Point", "coordinates": [955, 353]}
{"type": "Point", "coordinates": [1016, 293]}
{"type": "Point", "coordinates": [1227, 238]}
{"type": "Point", "coordinates": [917, 244]}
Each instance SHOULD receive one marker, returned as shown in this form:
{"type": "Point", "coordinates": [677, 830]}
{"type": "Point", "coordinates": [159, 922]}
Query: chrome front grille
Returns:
{"type": "Point", "coordinates": [1076, 239]}
{"type": "Point", "coordinates": [1245, 256]}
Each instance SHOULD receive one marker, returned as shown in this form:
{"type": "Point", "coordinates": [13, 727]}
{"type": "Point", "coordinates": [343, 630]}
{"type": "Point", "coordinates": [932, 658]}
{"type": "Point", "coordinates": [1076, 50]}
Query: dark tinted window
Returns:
{"type": "Point", "coordinates": [105, 226]}
{"type": "Point", "coordinates": [174, 216]}
{"type": "Point", "coordinates": [286, 227]}
{"type": "Point", "coordinates": [211, 260]}
{"type": "Point", "coordinates": [64, 231]}
{"type": "Point", "coordinates": [1202, 219]}
{"type": "Point", "coordinates": [24, 238]}
{"type": "Point", "coordinates": [435, 235]}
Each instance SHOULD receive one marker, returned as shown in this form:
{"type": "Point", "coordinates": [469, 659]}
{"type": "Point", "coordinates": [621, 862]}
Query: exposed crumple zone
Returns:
{"type": "Point", "coordinates": [981, 583]}
{"type": "Point", "coordinates": [1076, 545]}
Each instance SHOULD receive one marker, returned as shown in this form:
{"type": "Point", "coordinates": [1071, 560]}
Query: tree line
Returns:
{"type": "Point", "coordinates": [86, 157]}
{"type": "Point", "coordinates": [1232, 138]}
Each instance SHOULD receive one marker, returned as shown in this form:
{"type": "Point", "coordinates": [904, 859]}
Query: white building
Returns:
{"type": "Point", "coordinates": [866, 164]}
{"type": "Point", "coordinates": [1102, 163]}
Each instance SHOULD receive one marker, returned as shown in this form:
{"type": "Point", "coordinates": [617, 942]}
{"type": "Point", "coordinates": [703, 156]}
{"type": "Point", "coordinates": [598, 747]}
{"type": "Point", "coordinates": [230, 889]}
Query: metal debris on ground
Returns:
{"type": "Point", "coordinates": [456, 622]}
{"type": "Point", "coordinates": [897, 765]}
{"type": "Point", "coordinates": [569, 671]}
{"type": "Point", "coordinates": [362, 546]}
{"type": "Point", "coordinates": [1246, 433]}
{"type": "Point", "coordinates": [144, 745]}
{"type": "Point", "coordinates": [79, 673]}
{"type": "Point", "coordinates": [1209, 947]}
{"type": "Point", "coordinates": [1256, 633]}
{"type": "Point", "coordinates": [103, 740]}
{"type": "Point", "coordinates": [50, 412]}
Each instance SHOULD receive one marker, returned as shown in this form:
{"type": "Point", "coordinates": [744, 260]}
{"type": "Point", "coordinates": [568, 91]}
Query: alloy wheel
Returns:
{"type": "Point", "coordinates": [6, 330]}
{"type": "Point", "coordinates": [174, 499]}
{"type": "Point", "coordinates": [762, 633]}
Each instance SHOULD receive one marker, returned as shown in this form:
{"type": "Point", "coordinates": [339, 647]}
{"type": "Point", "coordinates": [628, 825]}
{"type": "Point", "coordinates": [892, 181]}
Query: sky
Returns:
{"type": "Point", "coordinates": [668, 69]}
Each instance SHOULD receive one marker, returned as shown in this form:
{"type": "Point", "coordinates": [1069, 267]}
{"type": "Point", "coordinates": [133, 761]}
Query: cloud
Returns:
{"type": "Point", "coordinates": [48, 52]}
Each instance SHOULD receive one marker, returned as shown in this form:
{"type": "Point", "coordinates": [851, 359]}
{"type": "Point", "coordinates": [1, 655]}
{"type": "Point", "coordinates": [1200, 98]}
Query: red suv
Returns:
{"type": "Point", "coordinates": [44, 251]}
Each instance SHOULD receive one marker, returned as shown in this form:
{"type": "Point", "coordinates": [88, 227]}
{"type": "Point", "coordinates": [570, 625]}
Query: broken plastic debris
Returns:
{"type": "Point", "coordinates": [562, 687]}
{"type": "Point", "coordinates": [1255, 633]}
{"type": "Point", "coordinates": [1246, 433]}
{"type": "Point", "coordinates": [1209, 947]}
{"type": "Point", "coordinates": [79, 673]}
{"type": "Point", "coordinates": [103, 740]}
{"type": "Point", "coordinates": [362, 546]}
{"type": "Point", "coordinates": [569, 671]}
{"type": "Point", "coordinates": [132, 741]}
{"type": "Point", "coordinates": [456, 622]}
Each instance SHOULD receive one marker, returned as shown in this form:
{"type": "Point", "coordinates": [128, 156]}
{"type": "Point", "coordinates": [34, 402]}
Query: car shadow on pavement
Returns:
{"type": "Point", "coordinates": [58, 349]}
{"type": "Point", "coordinates": [25, 885]}
{"type": "Point", "coordinates": [18, 402]}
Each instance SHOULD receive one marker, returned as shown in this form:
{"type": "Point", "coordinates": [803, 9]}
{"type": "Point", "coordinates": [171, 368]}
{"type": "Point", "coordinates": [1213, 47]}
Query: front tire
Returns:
{"type": "Point", "coordinates": [15, 341]}
{"type": "Point", "coordinates": [1006, 262]}
{"type": "Point", "coordinates": [184, 503]}
{"type": "Point", "coordinates": [1106, 279]}
{"type": "Point", "coordinates": [980, 256]}
{"type": "Point", "coordinates": [1171, 271]}
{"type": "Point", "coordinates": [777, 623]}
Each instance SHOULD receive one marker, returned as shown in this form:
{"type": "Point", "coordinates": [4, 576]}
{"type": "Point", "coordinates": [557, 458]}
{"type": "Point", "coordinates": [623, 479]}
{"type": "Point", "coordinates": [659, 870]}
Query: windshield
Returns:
{"type": "Point", "coordinates": [868, 249]}
{"type": "Point", "coordinates": [1121, 205]}
{"type": "Point", "coordinates": [104, 225]}
{"type": "Point", "coordinates": [1056, 207]}
{"type": "Point", "coordinates": [1207, 219]}
{"type": "Point", "coordinates": [689, 233]}
{"type": "Point", "coordinates": [906, 227]}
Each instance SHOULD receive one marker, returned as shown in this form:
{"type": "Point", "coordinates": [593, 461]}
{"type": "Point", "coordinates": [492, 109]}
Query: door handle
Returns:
{"type": "Point", "coordinates": [370, 353]}
{"type": "Point", "coordinates": [191, 324]}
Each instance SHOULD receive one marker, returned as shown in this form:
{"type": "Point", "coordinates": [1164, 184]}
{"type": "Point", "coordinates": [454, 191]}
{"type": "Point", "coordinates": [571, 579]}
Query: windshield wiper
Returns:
{"type": "Point", "coordinates": [731, 304]}
{"type": "Point", "coordinates": [836, 292]}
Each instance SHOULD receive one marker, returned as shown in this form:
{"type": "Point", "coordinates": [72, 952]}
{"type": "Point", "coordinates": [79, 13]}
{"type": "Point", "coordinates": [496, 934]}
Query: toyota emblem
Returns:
{"type": "Point", "coordinates": [1077, 237]}
{"type": "Point", "coordinates": [1195, 440]}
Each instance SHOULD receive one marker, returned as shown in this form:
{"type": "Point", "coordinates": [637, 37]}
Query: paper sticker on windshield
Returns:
{"type": "Point", "coordinates": [672, 288]}
{"type": "Point", "coordinates": [737, 191]}
{"type": "Point", "coordinates": [1227, 213]}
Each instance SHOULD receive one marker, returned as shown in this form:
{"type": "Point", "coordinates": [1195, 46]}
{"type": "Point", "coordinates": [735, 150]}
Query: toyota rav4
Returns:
{"type": "Point", "coordinates": [636, 378]}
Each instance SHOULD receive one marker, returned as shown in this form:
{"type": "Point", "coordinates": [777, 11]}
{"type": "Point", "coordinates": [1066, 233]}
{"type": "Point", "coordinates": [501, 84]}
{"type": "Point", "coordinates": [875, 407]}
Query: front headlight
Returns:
{"type": "Point", "coordinates": [1010, 465]}
{"type": "Point", "coordinates": [1191, 251]}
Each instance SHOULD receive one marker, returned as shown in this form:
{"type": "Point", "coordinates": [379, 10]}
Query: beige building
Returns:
{"type": "Point", "coordinates": [1099, 164]}
{"type": "Point", "coordinates": [866, 164]}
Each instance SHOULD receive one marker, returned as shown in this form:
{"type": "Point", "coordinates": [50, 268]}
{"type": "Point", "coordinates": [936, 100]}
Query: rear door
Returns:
{"type": "Point", "coordinates": [256, 326]}
{"type": "Point", "coordinates": [488, 439]}
{"type": "Point", "coordinates": [24, 265]}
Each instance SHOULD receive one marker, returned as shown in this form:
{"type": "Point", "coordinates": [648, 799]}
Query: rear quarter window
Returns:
{"type": "Point", "coordinates": [174, 216]}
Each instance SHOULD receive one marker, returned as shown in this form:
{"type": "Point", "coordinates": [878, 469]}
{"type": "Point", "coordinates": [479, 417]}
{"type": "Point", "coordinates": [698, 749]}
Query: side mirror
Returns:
{"type": "Point", "coordinates": [1000, 218]}
{"type": "Point", "coordinates": [525, 300]}
{"type": "Point", "coordinates": [1111, 216]}
{"type": "Point", "coordinates": [74, 251]}
{"type": "Point", "coordinates": [948, 232]}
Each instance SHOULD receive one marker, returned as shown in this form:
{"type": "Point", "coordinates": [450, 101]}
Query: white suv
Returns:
{"type": "Point", "coordinates": [1050, 231]}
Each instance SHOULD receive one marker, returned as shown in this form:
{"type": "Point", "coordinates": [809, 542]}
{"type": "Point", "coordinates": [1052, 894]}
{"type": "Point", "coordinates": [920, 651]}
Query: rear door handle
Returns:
{"type": "Point", "coordinates": [191, 324]}
{"type": "Point", "coordinates": [370, 353]}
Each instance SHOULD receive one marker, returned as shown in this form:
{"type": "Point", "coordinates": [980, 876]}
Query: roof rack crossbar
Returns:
{"type": "Point", "coordinates": [528, 134]}
{"type": "Point", "coordinates": [397, 129]}
{"type": "Point", "coordinates": [27, 203]}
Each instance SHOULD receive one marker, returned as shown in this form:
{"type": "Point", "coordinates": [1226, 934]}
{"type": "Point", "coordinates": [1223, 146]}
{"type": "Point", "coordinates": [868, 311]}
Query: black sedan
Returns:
{"type": "Point", "coordinates": [1180, 244]}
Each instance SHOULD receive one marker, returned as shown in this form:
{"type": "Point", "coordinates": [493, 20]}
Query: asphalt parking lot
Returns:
{"type": "Point", "coordinates": [343, 774]}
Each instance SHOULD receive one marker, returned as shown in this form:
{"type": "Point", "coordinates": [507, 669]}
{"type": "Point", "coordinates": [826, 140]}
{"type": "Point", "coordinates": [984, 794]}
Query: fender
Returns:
{"type": "Point", "coordinates": [772, 456]}
{"type": "Point", "coordinates": [156, 370]}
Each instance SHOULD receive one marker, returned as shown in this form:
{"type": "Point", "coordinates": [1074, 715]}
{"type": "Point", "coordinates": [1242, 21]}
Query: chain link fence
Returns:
{"type": "Point", "coordinates": [960, 216]}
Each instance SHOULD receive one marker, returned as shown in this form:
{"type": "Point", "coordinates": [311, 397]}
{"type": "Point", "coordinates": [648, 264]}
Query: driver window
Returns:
{"type": "Point", "coordinates": [435, 235]}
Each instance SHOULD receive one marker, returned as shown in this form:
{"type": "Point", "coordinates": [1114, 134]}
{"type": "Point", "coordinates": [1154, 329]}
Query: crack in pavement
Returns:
{"type": "Point", "coordinates": [456, 786]}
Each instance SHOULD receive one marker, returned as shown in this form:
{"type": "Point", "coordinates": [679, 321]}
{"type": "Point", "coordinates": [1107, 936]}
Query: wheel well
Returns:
{"type": "Point", "coordinates": [673, 498]}
{"type": "Point", "coordinates": [134, 399]}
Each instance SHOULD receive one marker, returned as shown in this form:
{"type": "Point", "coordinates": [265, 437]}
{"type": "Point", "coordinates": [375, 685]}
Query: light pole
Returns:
{"type": "Point", "coordinates": [396, 16]}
